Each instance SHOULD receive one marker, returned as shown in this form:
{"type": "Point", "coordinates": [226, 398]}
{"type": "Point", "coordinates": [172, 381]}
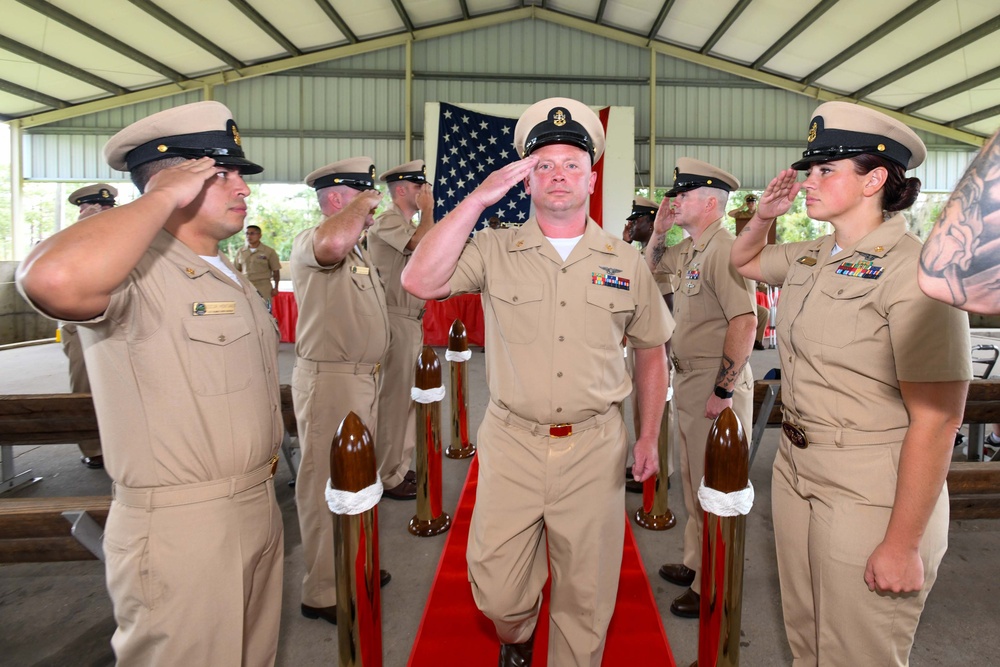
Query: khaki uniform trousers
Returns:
{"type": "Point", "coordinates": [79, 383]}
{"type": "Point", "coordinates": [831, 506]}
{"type": "Point", "coordinates": [397, 435]}
{"type": "Point", "coordinates": [565, 493]}
{"type": "Point", "coordinates": [196, 584]}
{"type": "Point", "coordinates": [323, 393]}
{"type": "Point", "coordinates": [763, 319]}
{"type": "Point", "coordinates": [693, 384]}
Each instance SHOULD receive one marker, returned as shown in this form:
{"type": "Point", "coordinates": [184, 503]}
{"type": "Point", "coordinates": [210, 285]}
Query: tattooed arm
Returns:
{"type": "Point", "coordinates": [963, 250]}
{"type": "Point", "coordinates": [735, 355]}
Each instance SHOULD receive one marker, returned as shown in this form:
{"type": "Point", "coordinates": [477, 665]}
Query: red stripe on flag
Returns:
{"type": "Point", "coordinates": [597, 199]}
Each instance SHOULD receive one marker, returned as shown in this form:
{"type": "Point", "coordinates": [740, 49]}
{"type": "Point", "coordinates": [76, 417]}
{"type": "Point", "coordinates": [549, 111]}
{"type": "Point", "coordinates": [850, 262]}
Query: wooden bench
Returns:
{"type": "Point", "coordinates": [974, 487]}
{"type": "Point", "coordinates": [44, 529]}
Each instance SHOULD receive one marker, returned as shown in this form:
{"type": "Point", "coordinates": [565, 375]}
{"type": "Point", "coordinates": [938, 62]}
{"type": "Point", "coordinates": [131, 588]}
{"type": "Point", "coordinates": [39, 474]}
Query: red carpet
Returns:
{"type": "Point", "coordinates": [454, 632]}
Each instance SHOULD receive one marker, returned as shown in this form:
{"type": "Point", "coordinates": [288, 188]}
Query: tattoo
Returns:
{"type": "Point", "coordinates": [965, 241]}
{"type": "Point", "coordinates": [728, 371]}
{"type": "Point", "coordinates": [659, 249]}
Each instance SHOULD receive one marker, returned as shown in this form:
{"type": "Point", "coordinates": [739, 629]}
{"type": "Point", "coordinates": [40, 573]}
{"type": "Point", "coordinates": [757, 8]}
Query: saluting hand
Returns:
{"type": "Point", "coordinates": [425, 197]}
{"type": "Point", "coordinates": [778, 195]}
{"type": "Point", "coordinates": [498, 183]}
{"type": "Point", "coordinates": [363, 205]}
{"type": "Point", "coordinates": [666, 216]}
{"type": "Point", "coordinates": [183, 183]}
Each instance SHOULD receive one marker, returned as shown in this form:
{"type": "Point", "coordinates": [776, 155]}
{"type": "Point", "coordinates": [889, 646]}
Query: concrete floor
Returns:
{"type": "Point", "coordinates": [59, 614]}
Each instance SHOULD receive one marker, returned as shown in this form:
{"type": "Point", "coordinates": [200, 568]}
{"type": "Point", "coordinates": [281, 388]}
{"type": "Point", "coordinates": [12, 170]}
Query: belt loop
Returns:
{"type": "Point", "coordinates": [232, 487]}
{"type": "Point", "coordinates": [838, 438]}
{"type": "Point", "coordinates": [149, 500]}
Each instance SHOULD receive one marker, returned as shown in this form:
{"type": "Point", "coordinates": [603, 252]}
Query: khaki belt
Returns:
{"type": "Point", "coordinates": [803, 437]}
{"type": "Point", "coordinates": [339, 367]}
{"type": "Point", "coordinates": [412, 313]}
{"type": "Point", "coordinates": [188, 494]}
{"type": "Point", "coordinates": [686, 365]}
{"type": "Point", "coordinates": [551, 430]}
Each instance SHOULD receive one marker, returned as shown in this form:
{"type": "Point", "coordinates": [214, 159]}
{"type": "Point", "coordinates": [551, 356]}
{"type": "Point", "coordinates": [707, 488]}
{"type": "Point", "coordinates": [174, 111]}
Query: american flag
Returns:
{"type": "Point", "coordinates": [470, 146]}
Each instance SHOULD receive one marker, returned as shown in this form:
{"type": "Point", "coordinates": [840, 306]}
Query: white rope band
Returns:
{"type": "Point", "coordinates": [427, 395]}
{"type": "Point", "coordinates": [450, 355]}
{"type": "Point", "coordinates": [737, 503]}
{"type": "Point", "coordinates": [349, 502]}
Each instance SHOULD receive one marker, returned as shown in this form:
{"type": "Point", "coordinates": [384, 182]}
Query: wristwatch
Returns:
{"type": "Point", "coordinates": [722, 393]}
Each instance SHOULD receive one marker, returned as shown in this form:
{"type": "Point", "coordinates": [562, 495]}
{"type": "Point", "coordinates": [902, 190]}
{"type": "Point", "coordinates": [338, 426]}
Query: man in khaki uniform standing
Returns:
{"type": "Point", "coordinates": [341, 339]}
{"type": "Point", "coordinates": [716, 321]}
{"type": "Point", "coordinates": [91, 199]}
{"type": "Point", "coordinates": [391, 241]}
{"type": "Point", "coordinates": [559, 294]}
{"type": "Point", "coordinates": [260, 264]}
{"type": "Point", "coordinates": [182, 357]}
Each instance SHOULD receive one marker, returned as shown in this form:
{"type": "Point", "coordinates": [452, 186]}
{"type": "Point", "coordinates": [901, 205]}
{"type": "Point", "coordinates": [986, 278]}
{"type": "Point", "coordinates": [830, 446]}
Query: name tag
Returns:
{"type": "Point", "coordinates": [360, 270]}
{"type": "Point", "coordinates": [214, 308]}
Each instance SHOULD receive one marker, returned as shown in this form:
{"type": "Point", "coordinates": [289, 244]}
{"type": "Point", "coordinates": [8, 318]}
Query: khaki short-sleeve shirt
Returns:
{"type": "Point", "coordinates": [554, 329]}
{"type": "Point", "coordinates": [257, 264]}
{"type": "Point", "coordinates": [387, 241]}
{"type": "Point", "coordinates": [342, 315]}
{"type": "Point", "coordinates": [709, 292]}
{"type": "Point", "coordinates": [852, 325]}
{"type": "Point", "coordinates": [184, 372]}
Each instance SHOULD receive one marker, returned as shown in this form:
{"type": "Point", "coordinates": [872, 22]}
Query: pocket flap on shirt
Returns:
{"type": "Point", "coordinates": [516, 293]}
{"type": "Point", "coordinates": [216, 329]}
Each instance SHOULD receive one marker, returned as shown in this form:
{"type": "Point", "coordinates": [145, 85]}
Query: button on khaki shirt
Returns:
{"type": "Point", "coordinates": [554, 329]}
{"type": "Point", "coordinates": [182, 397]}
{"type": "Point", "coordinates": [845, 340]}
{"type": "Point", "coordinates": [342, 314]}
{"type": "Point", "coordinates": [709, 292]}
{"type": "Point", "coordinates": [387, 241]}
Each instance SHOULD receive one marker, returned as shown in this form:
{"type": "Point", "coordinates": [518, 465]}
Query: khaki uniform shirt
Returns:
{"type": "Point", "coordinates": [553, 328]}
{"type": "Point", "coordinates": [257, 264]}
{"type": "Point", "coordinates": [387, 241]}
{"type": "Point", "coordinates": [846, 340]}
{"type": "Point", "coordinates": [183, 397]}
{"type": "Point", "coordinates": [342, 315]}
{"type": "Point", "coordinates": [709, 292]}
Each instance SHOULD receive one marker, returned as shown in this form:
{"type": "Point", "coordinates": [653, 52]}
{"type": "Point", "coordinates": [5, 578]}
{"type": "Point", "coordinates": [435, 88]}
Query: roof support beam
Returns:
{"type": "Point", "coordinates": [28, 93]}
{"type": "Point", "coordinates": [976, 117]}
{"type": "Point", "coordinates": [465, 9]}
{"type": "Point", "coordinates": [182, 29]}
{"type": "Point", "coordinates": [951, 91]}
{"type": "Point", "coordinates": [660, 18]}
{"type": "Point", "coordinates": [266, 26]}
{"type": "Point", "coordinates": [878, 33]}
{"type": "Point", "coordinates": [403, 16]}
{"type": "Point", "coordinates": [338, 20]}
{"type": "Point", "coordinates": [794, 32]}
{"type": "Point", "coordinates": [102, 38]}
{"type": "Point", "coordinates": [962, 40]}
{"type": "Point", "coordinates": [727, 23]}
{"type": "Point", "coordinates": [45, 60]}
{"type": "Point", "coordinates": [600, 12]}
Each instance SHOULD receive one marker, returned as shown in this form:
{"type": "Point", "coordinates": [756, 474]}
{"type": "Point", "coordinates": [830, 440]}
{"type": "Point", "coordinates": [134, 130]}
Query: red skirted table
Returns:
{"type": "Point", "coordinates": [437, 320]}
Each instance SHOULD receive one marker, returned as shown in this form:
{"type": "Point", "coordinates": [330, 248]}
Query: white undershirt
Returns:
{"type": "Point", "coordinates": [217, 262]}
{"type": "Point", "coordinates": [564, 246]}
{"type": "Point", "coordinates": [836, 249]}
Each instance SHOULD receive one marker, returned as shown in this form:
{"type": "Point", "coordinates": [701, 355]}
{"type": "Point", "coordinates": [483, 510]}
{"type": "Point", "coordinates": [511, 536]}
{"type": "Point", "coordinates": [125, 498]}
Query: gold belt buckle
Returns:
{"type": "Point", "coordinates": [274, 464]}
{"type": "Point", "coordinates": [560, 430]}
{"type": "Point", "coordinates": [795, 435]}
{"type": "Point", "coordinates": [378, 366]}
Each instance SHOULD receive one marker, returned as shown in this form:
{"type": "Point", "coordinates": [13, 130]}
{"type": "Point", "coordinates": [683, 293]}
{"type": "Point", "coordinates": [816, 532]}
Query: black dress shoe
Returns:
{"type": "Point", "coordinates": [517, 655]}
{"type": "Point", "coordinates": [757, 345]}
{"type": "Point", "coordinates": [678, 574]}
{"type": "Point", "coordinates": [93, 462]}
{"type": "Point", "coordinates": [410, 476]}
{"type": "Point", "coordinates": [329, 614]}
{"type": "Point", "coordinates": [686, 605]}
{"type": "Point", "coordinates": [633, 486]}
{"type": "Point", "coordinates": [405, 490]}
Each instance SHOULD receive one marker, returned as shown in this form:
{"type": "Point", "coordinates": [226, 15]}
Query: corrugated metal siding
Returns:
{"type": "Point", "coordinates": [295, 121]}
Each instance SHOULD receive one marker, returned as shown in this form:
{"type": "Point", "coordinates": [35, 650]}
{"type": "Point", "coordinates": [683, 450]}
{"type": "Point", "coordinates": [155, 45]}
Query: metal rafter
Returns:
{"type": "Point", "coordinates": [338, 21]}
{"type": "Point", "coordinates": [266, 26]}
{"type": "Point", "coordinates": [33, 95]}
{"type": "Point", "coordinates": [403, 16]}
{"type": "Point", "coordinates": [796, 30]}
{"type": "Point", "coordinates": [968, 84]}
{"type": "Point", "coordinates": [660, 18]}
{"type": "Point", "coordinates": [87, 30]}
{"type": "Point", "coordinates": [727, 22]}
{"type": "Point", "coordinates": [182, 29]}
{"type": "Point", "coordinates": [959, 42]}
{"type": "Point", "coordinates": [878, 33]}
{"type": "Point", "coordinates": [26, 51]}
{"type": "Point", "coordinates": [465, 8]}
{"type": "Point", "coordinates": [600, 12]}
{"type": "Point", "coordinates": [975, 117]}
